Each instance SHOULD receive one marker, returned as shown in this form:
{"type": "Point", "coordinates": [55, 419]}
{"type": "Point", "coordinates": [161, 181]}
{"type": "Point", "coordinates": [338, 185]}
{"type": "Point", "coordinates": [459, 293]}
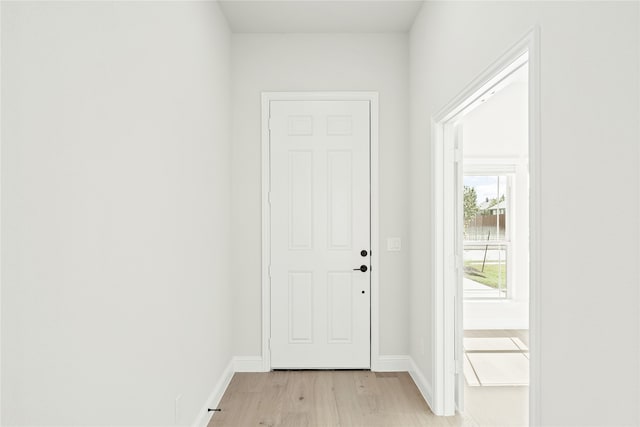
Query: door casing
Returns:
{"type": "Point", "coordinates": [443, 267]}
{"type": "Point", "coordinates": [372, 97]}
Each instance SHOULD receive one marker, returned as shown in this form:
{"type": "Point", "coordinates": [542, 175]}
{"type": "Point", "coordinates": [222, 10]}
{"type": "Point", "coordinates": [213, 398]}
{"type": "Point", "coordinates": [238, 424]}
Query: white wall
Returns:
{"type": "Point", "coordinates": [498, 128]}
{"type": "Point", "coordinates": [496, 133]}
{"type": "Point", "coordinates": [319, 62]}
{"type": "Point", "coordinates": [115, 211]}
{"type": "Point", "coordinates": [589, 280]}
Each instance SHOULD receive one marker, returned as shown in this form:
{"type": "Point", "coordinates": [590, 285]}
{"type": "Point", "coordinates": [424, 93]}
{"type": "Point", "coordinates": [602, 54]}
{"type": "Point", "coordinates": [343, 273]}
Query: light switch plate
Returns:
{"type": "Point", "coordinates": [394, 244]}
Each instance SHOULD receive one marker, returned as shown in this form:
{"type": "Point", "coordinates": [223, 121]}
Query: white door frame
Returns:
{"type": "Point", "coordinates": [443, 202]}
{"type": "Point", "coordinates": [267, 97]}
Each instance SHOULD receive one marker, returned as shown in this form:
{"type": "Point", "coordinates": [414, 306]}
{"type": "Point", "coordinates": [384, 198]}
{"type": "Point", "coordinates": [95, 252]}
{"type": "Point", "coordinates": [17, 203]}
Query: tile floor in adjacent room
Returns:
{"type": "Point", "coordinates": [496, 370]}
{"type": "Point", "coordinates": [499, 358]}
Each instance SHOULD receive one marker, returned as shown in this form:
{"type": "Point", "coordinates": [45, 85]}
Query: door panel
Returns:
{"type": "Point", "coordinates": [300, 304]}
{"type": "Point", "coordinates": [339, 199]}
{"type": "Point", "coordinates": [300, 200]}
{"type": "Point", "coordinates": [320, 221]}
{"type": "Point", "coordinates": [340, 307]}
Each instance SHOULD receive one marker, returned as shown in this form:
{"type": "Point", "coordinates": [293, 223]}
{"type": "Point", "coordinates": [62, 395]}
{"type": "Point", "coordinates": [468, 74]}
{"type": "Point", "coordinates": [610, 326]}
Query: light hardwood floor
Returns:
{"type": "Point", "coordinates": [326, 398]}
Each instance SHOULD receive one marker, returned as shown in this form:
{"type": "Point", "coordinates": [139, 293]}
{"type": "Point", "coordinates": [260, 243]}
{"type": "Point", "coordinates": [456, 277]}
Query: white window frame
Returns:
{"type": "Point", "coordinates": [489, 168]}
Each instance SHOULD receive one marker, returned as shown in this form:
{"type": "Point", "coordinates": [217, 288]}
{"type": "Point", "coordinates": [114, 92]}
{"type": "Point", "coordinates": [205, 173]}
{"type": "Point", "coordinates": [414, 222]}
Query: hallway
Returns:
{"type": "Point", "coordinates": [135, 204]}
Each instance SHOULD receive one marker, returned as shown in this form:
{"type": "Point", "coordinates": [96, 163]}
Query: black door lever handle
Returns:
{"type": "Point", "coordinates": [362, 268]}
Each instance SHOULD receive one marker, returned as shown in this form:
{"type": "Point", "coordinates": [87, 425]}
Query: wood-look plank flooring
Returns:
{"type": "Point", "coordinates": [324, 399]}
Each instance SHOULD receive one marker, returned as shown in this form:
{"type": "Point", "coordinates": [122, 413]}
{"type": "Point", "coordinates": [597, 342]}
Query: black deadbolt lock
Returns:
{"type": "Point", "coordinates": [363, 253]}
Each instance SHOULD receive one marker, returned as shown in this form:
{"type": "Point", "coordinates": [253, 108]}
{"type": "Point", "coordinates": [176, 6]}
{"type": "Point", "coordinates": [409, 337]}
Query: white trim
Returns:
{"type": "Point", "coordinates": [214, 398]}
{"type": "Point", "coordinates": [535, 207]}
{"type": "Point", "coordinates": [443, 310]}
{"type": "Point", "coordinates": [421, 382]}
{"type": "Point", "coordinates": [375, 232]}
{"type": "Point", "coordinates": [1, 210]}
{"type": "Point", "coordinates": [266, 235]}
{"type": "Point", "coordinates": [497, 72]}
{"type": "Point", "coordinates": [393, 363]}
{"type": "Point", "coordinates": [248, 364]}
{"type": "Point", "coordinates": [437, 264]}
{"type": "Point", "coordinates": [372, 97]}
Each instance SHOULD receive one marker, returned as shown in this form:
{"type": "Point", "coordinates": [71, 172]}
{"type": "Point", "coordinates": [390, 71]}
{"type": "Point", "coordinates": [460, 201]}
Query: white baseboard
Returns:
{"type": "Point", "coordinates": [248, 364]}
{"type": "Point", "coordinates": [423, 385]}
{"type": "Point", "coordinates": [214, 398]}
{"type": "Point", "coordinates": [391, 363]}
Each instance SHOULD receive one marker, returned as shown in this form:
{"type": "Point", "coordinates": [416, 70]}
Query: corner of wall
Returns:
{"type": "Point", "coordinates": [248, 364]}
{"type": "Point", "coordinates": [421, 382]}
{"type": "Point", "coordinates": [391, 363]}
{"type": "Point", "coordinates": [204, 416]}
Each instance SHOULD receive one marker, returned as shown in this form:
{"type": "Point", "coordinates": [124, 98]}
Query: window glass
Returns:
{"type": "Point", "coordinates": [486, 236]}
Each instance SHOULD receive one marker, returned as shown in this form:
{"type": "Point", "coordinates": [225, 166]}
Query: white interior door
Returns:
{"type": "Point", "coordinates": [320, 234]}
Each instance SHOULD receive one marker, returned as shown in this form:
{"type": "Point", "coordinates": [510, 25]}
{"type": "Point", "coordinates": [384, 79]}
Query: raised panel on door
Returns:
{"type": "Point", "coordinates": [300, 307]}
{"type": "Point", "coordinates": [300, 200]}
{"type": "Point", "coordinates": [320, 221]}
{"type": "Point", "coordinates": [340, 310]}
{"type": "Point", "coordinates": [339, 200]}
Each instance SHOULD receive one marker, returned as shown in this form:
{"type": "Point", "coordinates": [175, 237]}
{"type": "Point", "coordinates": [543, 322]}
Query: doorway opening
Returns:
{"type": "Point", "coordinates": [495, 255]}
{"type": "Point", "coordinates": [486, 186]}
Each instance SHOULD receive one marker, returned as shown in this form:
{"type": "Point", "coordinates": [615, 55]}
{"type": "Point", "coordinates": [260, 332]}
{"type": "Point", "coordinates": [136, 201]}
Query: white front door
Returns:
{"type": "Point", "coordinates": [320, 234]}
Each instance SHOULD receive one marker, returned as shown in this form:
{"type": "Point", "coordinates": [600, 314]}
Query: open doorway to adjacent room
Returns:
{"type": "Point", "coordinates": [495, 253]}
{"type": "Point", "coordinates": [486, 211]}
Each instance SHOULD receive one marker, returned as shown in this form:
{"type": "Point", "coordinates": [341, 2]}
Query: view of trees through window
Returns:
{"type": "Point", "coordinates": [486, 241]}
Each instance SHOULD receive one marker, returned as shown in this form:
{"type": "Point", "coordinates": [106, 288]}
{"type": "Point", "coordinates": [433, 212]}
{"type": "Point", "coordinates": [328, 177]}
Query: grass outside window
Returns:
{"type": "Point", "coordinates": [493, 275]}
